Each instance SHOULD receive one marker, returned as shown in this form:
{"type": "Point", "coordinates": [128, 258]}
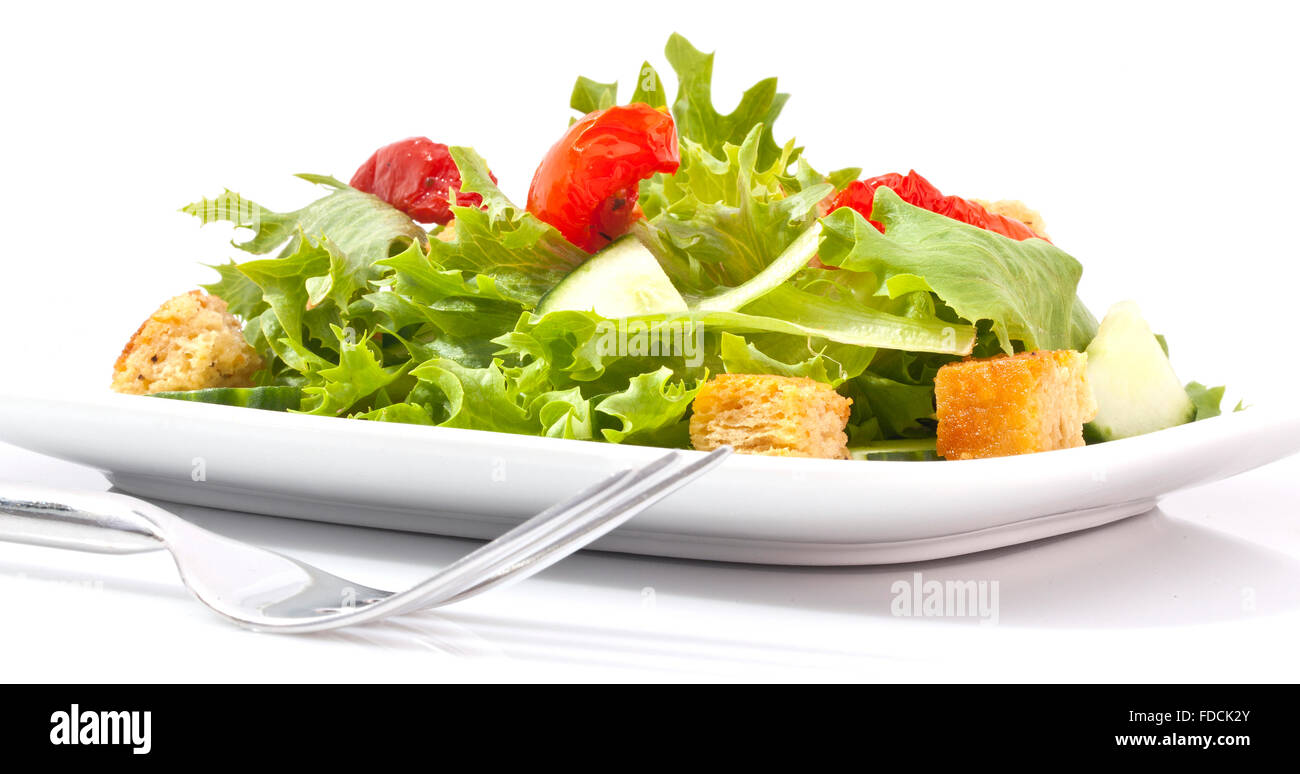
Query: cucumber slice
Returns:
{"type": "Point", "coordinates": [1135, 387]}
{"type": "Point", "coordinates": [266, 398]}
{"type": "Point", "coordinates": [622, 280]}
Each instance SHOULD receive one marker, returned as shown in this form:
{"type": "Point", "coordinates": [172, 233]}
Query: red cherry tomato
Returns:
{"type": "Point", "coordinates": [414, 176]}
{"type": "Point", "coordinates": [918, 191]}
{"type": "Point", "coordinates": [586, 187]}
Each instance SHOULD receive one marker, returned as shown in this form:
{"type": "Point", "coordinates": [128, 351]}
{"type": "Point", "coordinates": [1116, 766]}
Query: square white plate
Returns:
{"type": "Point", "coordinates": [752, 509]}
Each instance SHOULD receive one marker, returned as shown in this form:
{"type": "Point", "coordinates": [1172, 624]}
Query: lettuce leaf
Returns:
{"type": "Point", "coordinates": [479, 398]}
{"type": "Point", "coordinates": [490, 398]}
{"type": "Point", "coordinates": [502, 243]}
{"type": "Point", "coordinates": [884, 408]}
{"type": "Point", "coordinates": [589, 96]}
{"type": "Point", "coordinates": [405, 413]}
{"type": "Point", "coordinates": [698, 120]}
{"type": "Point", "coordinates": [356, 228]}
{"type": "Point", "coordinates": [791, 310]}
{"type": "Point", "coordinates": [815, 359]}
{"type": "Point", "coordinates": [648, 411]}
{"type": "Point", "coordinates": [1025, 289]}
{"type": "Point", "coordinates": [283, 283]}
{"type": "Point", "coordinates": [1207, 400]}
{"type": "Point", "coordinates": [242, 296]}
{"type": "Point", "coordinates": [721, 220]}
{"type": "Point", "coordinates": [358, 374]}
{"type": "Point", "coordinates": [649, 88]}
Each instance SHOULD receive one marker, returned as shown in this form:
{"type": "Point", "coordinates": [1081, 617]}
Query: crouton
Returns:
{"type": "Point", "coordinates": [1017, 210]}
{"type": "Point", "coordinates": [1029, 402]}
{"type": "Point", "coordinates": [190, 343]}
{"type": "Point", "coordinates": [780, 416]}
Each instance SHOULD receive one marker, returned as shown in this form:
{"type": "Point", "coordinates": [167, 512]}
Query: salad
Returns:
{"type": "Point", "coordinates": [665, 249]}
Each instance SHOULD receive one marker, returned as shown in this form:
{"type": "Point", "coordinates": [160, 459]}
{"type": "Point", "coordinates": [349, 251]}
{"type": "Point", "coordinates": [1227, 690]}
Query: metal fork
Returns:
{"type": "Point", "coordinates": [267, 591]}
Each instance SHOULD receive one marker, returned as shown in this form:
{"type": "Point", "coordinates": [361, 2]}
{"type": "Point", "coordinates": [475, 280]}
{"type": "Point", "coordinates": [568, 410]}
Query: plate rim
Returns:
{"type": "Point", "coordinates": [842, 524]}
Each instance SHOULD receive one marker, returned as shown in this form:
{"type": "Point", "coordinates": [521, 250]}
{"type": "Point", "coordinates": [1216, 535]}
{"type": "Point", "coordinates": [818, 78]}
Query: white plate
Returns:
{"type": "Point", "coordinates": [752, 509]}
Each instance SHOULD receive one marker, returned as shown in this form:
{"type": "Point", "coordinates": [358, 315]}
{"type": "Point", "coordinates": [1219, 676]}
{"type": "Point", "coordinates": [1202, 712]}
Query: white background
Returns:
{"type": "Point", "coordinates": [1157, 139]}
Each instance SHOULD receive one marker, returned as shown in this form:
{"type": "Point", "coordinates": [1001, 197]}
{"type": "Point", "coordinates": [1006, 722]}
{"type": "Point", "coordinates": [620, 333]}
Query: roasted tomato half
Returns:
{"type": "Point", "coordinates": [586, 187]}
{"type": "Point", "coordinates": [916, 190]}
{"type": "Point", "coordinates": [415, 176]}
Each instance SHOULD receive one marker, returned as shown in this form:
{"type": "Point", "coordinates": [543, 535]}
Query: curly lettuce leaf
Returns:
{"type": "Point", "coordinates": [721, 220]}
{"type": "Point", "coordinates": [359, 374]}
{"type": "Point", "coordinates": [421, 294]}
{"type": "Point", "coordinates": [283, 283]}
{"type": "Point", "coordinates": [560, 348]}
{"type": "Point", "coordinates": [692, 108]}
{"type": "Point", "coordinates": [357, 229]}
{"type": "Point", "coordinates": [520, 255]}
{"type": "Point", "coordinates": [649, 410]}
{"type": "Point", "coordinates": [697, 118]}
{"type": "Point", "coordinates": [479, 398]}
{"type": "Point", "coordinates": [490, 398]}
{"type": "Point", "coordinates": [242, 296]}
{"type": "Point", "coordinates": [580, 347]}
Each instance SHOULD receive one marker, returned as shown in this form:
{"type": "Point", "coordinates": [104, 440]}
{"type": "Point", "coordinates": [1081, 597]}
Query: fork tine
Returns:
{"type": "Point", "coordinates": [472, 566]}
{"type": "Point", "coordinates": [535, 526]}
{"type": "Point", "coordinates": [582, 521]}
{"type": "Point", "coordinates": [566, 528]}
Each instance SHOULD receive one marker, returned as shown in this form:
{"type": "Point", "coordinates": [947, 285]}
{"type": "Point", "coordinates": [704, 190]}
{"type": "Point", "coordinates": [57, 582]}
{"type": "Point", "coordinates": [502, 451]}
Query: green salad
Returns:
{"type": "Point", "coordinates": [662, 243]}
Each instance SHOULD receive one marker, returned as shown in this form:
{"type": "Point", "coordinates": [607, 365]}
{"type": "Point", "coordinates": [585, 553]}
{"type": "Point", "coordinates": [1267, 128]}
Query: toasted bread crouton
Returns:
{"type": "Point", "coordinates": [1030, 402]}
{"type": "Point", "coordinates": [1017, 210]}
{"type": "Point", "coordinates": [780, 416]}
{"type": "Point", "coordinates": [190, 343]}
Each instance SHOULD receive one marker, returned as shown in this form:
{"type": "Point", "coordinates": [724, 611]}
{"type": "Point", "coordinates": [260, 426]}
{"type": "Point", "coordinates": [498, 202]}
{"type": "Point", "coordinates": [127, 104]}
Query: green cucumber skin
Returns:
{"type": "Point", "coordinates": [263, 398]}
{"type": "Point", "coordinates": [1096, 432]}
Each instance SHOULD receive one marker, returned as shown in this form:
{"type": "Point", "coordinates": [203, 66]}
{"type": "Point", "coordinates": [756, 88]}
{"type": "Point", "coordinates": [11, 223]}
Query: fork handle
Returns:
{"type": "Point", "coordinates": [98, 522]}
